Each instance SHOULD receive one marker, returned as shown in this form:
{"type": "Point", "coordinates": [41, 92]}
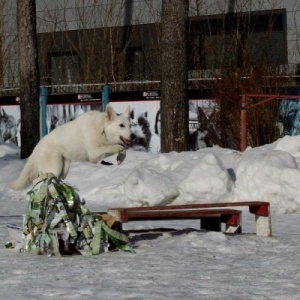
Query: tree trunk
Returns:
{"type": "Point", "coordinates": [29, 76]}
{"type": "Point", "coordinates": [174, 76]}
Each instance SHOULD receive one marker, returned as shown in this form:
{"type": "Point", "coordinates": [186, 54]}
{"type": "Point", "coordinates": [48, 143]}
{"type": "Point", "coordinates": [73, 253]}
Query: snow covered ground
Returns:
{"type": "Point", "coordinates": [183, 264]}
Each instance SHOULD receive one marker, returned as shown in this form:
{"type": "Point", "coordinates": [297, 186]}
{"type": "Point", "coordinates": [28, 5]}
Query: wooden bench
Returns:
{"type": "Point", "coordinates": [210, 214]}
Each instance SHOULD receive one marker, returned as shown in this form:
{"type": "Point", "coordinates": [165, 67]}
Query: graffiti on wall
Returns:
{"type": "Point", "coordinates": [10, 124]}
{"type": "Point", "coordinates": [145, 121]}
{"type": "Point", "coordinates": [289, 117]}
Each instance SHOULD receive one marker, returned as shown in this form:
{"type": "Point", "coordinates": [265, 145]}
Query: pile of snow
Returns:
{"type": "Point", "coordinates": [186, 264]}
{"type": "Point", "coordinates": [269, 173]}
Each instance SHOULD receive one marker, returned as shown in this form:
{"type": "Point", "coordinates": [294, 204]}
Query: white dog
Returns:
{"type": "Point", "coordinates": [90, 137]}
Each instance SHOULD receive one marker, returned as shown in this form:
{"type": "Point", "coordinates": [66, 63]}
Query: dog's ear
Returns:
{"type": "Point", "coordinates": [4, 113]}
{"type": "Point", "coordinates": [110, 112]}
{"type": "Point", "coordinates": [126, 113]}
{"type": "Point", "coordinates": [132, 114]}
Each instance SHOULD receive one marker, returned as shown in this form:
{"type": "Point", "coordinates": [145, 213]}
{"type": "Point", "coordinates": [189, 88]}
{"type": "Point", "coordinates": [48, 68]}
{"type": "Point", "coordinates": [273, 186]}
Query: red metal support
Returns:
{"type": "Point", "coordinates": [262, 209]}
{"type": "Point", "coordinates": [244, 107]}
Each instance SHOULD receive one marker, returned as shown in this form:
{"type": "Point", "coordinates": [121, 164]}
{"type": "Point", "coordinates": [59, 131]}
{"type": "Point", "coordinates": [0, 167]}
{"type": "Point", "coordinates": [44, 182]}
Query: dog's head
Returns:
{"type": "Point", "coordinates": [118, 128]}
{"type": "Point", "coordinates": [141, 128]}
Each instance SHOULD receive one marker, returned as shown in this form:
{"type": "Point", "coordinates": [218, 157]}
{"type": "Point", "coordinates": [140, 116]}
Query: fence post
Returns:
{"type": "Point", "coordinates": [105, 96]}
{"type": "Point", "coordinates": [44, 93]}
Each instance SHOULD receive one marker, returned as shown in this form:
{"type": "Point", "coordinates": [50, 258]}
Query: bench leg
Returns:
{"type": "Point", "coordinates": [115, 213]}
{"type": "Point", "coordinates": [233, 229]}
{"type": "Point", "coordinates": [211, 223]}
{"type": "Point", "coordinates": [263, 225]}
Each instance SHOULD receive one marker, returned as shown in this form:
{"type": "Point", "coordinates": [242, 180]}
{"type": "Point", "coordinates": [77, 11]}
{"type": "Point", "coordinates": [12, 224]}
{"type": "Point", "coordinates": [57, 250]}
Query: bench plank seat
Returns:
{"type": "Point", "coordinates": [210, 214]}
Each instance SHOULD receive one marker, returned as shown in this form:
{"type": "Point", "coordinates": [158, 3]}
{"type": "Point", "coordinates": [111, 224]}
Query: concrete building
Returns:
{"type": "Point", "coordinates": [92, 41]}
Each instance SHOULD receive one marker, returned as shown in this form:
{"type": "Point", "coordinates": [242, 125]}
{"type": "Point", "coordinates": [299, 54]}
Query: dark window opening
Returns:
{"type": "Point", "coordinates": [64, 67]}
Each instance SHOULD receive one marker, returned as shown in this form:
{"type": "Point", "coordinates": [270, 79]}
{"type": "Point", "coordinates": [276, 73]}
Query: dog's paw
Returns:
{"type": "Point", "coordinates": [119, 148]}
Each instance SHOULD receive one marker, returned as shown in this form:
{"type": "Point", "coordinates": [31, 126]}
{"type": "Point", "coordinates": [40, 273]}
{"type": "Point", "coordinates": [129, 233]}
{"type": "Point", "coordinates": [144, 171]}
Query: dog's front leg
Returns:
{"type": "Point", "coordinates": [106, 150]}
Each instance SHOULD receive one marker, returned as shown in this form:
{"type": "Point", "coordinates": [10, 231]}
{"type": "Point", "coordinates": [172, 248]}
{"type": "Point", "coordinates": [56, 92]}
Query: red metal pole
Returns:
{"type": "Point", "coordinates": [244, 123]}
{"type": "Point", "coordinates": [244, 107]}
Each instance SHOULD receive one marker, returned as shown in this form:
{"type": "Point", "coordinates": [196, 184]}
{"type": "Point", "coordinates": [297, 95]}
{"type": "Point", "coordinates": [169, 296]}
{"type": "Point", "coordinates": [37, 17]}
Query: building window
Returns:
{"type": "Point", "coordinates": [238, 40]}
{"type": "Point", "coordinates": [64, 67]}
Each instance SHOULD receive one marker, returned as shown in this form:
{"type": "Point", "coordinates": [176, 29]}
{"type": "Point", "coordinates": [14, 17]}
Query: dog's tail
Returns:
{"type": "Point", "coordinates": [26, 177]}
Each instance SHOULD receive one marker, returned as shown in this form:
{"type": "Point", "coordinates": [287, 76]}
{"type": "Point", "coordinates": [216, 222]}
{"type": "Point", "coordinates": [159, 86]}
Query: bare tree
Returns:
{"type": "Point", "coordinates": [241, 49]}
{"type": "Point", "coordinates": [29, 76]}
{"type": "Point", "coordinates": [174, 76]}
{"type": "Point", "coordinates": [232, 49]}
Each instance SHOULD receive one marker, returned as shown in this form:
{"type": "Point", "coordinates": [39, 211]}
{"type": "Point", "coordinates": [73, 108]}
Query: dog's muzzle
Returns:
{"type": "Point", "coordinates": [126, 141]}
